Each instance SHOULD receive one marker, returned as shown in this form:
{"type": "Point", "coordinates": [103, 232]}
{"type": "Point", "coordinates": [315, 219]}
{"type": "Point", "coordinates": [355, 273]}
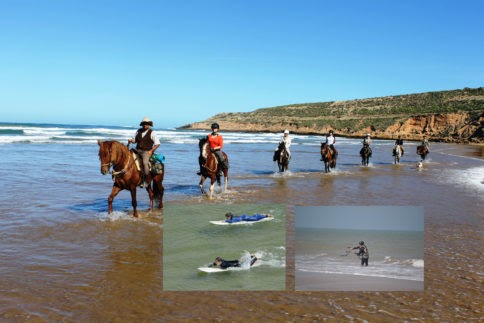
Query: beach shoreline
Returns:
{"type": "Point", "coordinates": [310, 281]}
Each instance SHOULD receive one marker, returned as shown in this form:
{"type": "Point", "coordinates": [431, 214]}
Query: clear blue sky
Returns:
{"type": "Point", "coordinates": [112, 62]}
{"type": "Point", "coordinates": [393, 218]}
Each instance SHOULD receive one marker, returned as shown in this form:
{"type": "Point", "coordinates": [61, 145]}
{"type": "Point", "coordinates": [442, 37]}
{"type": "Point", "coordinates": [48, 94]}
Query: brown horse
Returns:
{"type": "Point", "coordinates": [422, 151]}
{"type": "Point", "coordinates": [282, 157]}
{"type": "Point", "coordinates": [327, 157]}
{"type": "Point", "coordinates": [210, 166]}
{"type": "Point", "coordinates": [126, 175]}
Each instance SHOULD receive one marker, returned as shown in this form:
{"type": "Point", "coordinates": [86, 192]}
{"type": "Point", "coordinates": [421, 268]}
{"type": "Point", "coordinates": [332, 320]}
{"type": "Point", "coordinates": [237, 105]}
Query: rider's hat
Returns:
{"type": "Point", "coordinates": [215, 126]}
{"type": "Point", "coordinates": [286, 131]}
{"type": "Point", "coordinates": [368, 135]}
{"type": "Point", "coordinates": [146, 120]}
{"type": "Point", "coordinates": [362, 242]}
{"type": "Point", "coordinates": [331, 131]}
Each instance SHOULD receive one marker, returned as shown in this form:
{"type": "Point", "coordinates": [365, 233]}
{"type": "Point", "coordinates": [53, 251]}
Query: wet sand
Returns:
{"type": "Point", "coordinates": [306, 281]}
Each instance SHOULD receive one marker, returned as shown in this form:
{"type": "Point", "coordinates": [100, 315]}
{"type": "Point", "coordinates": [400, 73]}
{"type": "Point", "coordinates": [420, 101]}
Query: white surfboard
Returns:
{"type": "Point", "coordinates": [220, 270]}
{"type": "Point", "coordinates": [222, 222]}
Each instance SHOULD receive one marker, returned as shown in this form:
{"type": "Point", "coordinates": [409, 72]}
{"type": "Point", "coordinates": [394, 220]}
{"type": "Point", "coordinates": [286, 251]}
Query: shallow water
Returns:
{"type": "Point", "coordinates": [62, 257]}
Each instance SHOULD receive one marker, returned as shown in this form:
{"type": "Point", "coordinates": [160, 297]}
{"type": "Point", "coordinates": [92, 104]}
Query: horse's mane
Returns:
{"type": "Point", "coordinates": [118, 151]}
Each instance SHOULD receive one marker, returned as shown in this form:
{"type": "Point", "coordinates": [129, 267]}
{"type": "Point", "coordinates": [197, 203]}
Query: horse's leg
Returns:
{"type": "Point", "coordinates": [226, 179]}
{"type": "Point", "coordinates": [111, 197]}
{"type": "Point", "coordinates": [202, 179]}
{"type": "Point", "coordinates": [160, 190]}
{"type": "Point", "coordinates": [150, 192]}
{"type": "Point", "coordinates": [133, 201]}
{"type": "Point", "coordinates": [212, 185]}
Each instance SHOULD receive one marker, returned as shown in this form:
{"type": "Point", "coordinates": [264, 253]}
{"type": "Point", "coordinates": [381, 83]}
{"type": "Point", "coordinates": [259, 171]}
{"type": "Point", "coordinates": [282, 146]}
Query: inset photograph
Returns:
{"type": "Point", "coordinates": [224, 247]}
{"type": "Point", "coordinates": [359, 248]}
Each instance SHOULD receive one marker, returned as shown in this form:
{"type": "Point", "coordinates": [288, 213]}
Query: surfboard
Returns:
{"type": "Point", "coordinates": [222, 222]}
{"type": "Point", "coordinates": [220, 270]}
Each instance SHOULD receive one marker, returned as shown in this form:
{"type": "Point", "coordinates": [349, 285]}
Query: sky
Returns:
{"type": "Point", "coordinates": [113, 62]}
{"type": "Point", "coordinates": [391, 218]}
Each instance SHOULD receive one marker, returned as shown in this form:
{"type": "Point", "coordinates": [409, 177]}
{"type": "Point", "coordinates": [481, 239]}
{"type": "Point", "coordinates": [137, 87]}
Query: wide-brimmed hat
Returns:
{"type": "Point", "coordinates": [146, 120]}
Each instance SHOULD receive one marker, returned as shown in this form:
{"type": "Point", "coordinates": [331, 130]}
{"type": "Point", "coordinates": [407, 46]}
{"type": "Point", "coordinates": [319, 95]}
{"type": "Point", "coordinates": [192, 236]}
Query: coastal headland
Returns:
{"type": "Point", "coordinates": [445, 116]}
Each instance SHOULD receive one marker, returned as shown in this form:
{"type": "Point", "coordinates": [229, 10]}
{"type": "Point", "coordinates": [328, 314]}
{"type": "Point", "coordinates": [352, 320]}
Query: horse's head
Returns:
{"type": "Point", "coordinates": [282, 146]}
{"type": "Point", "coordinates": [203, 145]}
{"type": "Point", "coordinates": [105, 155]}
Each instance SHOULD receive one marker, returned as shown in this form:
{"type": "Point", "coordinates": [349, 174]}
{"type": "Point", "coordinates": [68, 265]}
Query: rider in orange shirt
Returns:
{"type": "Point", "coordinates": [216, 143]}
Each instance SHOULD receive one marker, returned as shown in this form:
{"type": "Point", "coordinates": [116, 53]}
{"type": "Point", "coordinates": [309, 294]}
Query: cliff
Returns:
{"type": "Point", "coordinates": [450, 116]}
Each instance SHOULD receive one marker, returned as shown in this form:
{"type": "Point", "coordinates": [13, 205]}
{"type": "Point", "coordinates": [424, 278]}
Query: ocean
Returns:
{"type": "Point", "coordinates": [64, 258]}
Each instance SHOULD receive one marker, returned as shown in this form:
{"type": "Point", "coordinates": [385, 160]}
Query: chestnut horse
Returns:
{"type": "Point", "coordinates": [327, 157]}
{"type": "Point", "coordinates": [126, 175]}
{"type": "Point", "coordinates": [282, 157]}
{"type": "Point", "coordinates": [422, 151]}
{"type": "Point", "coordinates": [210, 166]}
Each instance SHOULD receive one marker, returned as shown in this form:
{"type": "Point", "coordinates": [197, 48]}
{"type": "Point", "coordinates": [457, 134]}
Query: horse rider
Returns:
{"type": "Point", "coordinates": [216, 142]}
{"type": "Point", "coordinates": [146, 143]}
{"type": "Point", "coordinates": [367, 142]}
{"type": "Point", "coordinates": [425, 143]}
{"type": "Point", "coordinates": [330, 141]}
{"type": "Point", "coordinates": [399, 142]}
{"type": "Point", "coordinates": [287, 143]}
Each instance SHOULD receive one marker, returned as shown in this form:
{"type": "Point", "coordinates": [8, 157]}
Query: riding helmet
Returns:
{"type": "Point", "coordinates": [331, 131]}
{"type": "Point", "coordinates": [215, 126]}
{"type": "Point", "coordinates": [362, 242]}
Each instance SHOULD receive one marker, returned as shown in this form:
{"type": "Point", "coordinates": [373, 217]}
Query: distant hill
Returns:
{"type": "Point", "coordinates": [451, 116]}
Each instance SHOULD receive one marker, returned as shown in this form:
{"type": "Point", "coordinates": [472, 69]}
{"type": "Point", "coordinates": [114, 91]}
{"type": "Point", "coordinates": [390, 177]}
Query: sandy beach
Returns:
{"type": "Point", "coordinates": [307, 281]}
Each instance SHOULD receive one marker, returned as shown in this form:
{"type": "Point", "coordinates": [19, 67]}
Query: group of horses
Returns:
{"type": "Point", "coordinates": [127, 175]}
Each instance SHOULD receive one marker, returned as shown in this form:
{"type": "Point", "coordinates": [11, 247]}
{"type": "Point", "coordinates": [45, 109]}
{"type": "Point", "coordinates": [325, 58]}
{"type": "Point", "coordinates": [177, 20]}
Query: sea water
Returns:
{"type": "Point", "coordinates": [393, 254]}
{"type": "Point", "coordinates": [62, 255]}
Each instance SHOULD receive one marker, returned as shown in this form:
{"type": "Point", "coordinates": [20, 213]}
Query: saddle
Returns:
{"type": "Point", "coordinates": [156, 162]}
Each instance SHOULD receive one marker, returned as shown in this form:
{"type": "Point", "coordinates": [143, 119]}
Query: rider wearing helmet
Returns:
{"type": "Point", "coordinates": [363, 253]}
{"type": "Point", "coordinates": [330, 141]}
{"type": "Point", "coordinates": [367, 142]}
{"type": "Point", "coordinates": [216, 142]}
{"type": "Point", "coordinates": [287, 142]}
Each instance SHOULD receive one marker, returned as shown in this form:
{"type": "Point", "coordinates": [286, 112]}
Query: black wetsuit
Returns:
{"type": "Point", "coordinates": [363, 253]}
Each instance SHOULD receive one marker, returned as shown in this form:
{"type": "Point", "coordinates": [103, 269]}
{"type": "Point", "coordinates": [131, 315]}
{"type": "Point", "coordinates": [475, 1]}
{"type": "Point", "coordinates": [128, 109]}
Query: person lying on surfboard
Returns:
{"type": "Point", "coordinates": [224, 264]}
{"type": "Point", "coordinates": [230, 217]}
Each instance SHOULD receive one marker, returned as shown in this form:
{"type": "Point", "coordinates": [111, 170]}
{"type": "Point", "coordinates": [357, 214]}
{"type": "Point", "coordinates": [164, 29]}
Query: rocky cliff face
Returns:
{"type": "Point", "coordinates": [451, 127]}
{"type": "Point", "coordinates": [449, 116]}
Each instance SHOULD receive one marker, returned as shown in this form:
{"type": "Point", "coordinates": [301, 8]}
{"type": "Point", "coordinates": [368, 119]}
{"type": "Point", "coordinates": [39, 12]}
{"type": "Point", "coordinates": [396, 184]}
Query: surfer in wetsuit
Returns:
{"type": "Point", "coordinates": [224, 264]}
{"type": "Point", "coordinates": [230, 217]}
{"type": "Point", "coordinates": [363, 253]}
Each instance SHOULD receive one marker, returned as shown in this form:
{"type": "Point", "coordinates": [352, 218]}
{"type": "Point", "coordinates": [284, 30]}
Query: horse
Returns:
{"type": "Point", "coordinates": [327, 157]}
{"type": "Point", "coordinates": [397, 153]}
{"type": "Point", "coordinates": [126, 175]}
{"type": "Point", "coordinates": [210, 167]}
{"type": "Point", "coordinates": [365, 153]}
{"type": "Point", "coordinates": [282, 157]}
{"type": "Point", "coordinates": [422, 151]}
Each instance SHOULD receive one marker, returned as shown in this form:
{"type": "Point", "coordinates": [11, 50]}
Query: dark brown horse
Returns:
{"type": "Point", "coordinates": [282, 157]}
{"type": "Point", "coordinates": [365, 154]}
{"type": "Point", "coordinates": [422, 151]}
{"type": "Point", "coordinates": [327, 157]}
{"type": "Point", "coordinates": [126, 175]}
{"type": "Point", "coordinates": [210, 167]}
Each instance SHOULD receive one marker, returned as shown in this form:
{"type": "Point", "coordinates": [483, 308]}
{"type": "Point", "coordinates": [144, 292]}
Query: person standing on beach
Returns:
{"type": "Point", "coordinates": [146, 143]}
{"type": "Point", "coordinates": [216, 142]}
{"type": "Point", "coordinates": [363, 253]}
